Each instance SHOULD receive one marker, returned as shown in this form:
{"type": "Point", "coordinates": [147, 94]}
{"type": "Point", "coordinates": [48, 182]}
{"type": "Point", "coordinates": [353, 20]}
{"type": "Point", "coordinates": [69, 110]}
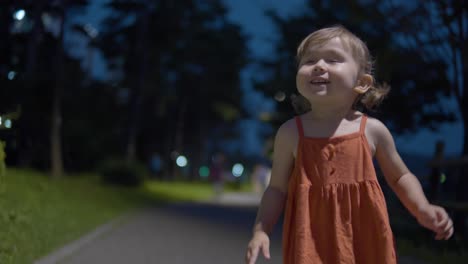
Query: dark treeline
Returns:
{"type": "Point", "coordinates": [173, 80]}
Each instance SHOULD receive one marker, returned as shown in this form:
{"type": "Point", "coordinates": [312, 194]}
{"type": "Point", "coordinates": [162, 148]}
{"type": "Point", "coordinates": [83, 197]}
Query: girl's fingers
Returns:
{"type": "Point", "coordinates": [446, 231]}
{"type": "Point", "coordinates": [441, 214]}
{"type": "Point", "coordinates": [266, 250]}
{"type": "Point", "coordinates": [450, 233]}
{"type": "Point", "coordinates": [252, 255]}
{"type": "Point", "coordinates": [443, 225]}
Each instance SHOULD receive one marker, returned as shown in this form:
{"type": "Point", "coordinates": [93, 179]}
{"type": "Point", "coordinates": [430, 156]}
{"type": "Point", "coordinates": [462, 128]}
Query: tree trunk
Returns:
{"type": "Point", "coordinates": [462, 185]}
{"type": "Point", "coordinates": [24, 137]}
{"type": "Point", "coordinates": [56, 137]}
{"type": "Point", "coordinates": [138, 90]}
{"type": "Point", "coordinates": [56, 119]}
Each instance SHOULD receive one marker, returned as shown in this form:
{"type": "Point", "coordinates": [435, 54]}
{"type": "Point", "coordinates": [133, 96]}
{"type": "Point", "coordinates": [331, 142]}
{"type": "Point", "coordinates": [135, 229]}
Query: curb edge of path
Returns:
{"type": "Point", "coordinates": [73, 246]}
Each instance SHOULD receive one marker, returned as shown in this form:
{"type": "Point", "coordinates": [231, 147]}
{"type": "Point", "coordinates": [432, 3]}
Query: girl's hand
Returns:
{"type": "Point", "coordinates": [260, 241]}
{"type": "Point", "coordinates": [436, 219]}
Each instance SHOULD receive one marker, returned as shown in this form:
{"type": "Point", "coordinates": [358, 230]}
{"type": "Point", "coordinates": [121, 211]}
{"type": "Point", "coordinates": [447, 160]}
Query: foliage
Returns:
{"type": "Point", "coordinates": [186, 78]}
{"type": "Point", "coordinates": [39, 215]}
{"type": "Point", "coordinates": [121, 172]}
{"type": "Point", "coordinates": [167, 69]}
{"type": "Point", "coordinates": [419, 86]}
{"type": "Point", "coordinates": [2, 162]}
{"type": "Point", "coordinates": [32, 72]}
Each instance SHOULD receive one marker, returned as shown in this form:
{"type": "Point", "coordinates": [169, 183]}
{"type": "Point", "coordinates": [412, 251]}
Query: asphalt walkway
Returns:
{"type": "Point", "coordinates": [214, 232]}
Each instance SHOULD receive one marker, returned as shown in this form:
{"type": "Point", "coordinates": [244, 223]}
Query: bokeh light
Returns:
{"type": "Point", "coordinates": [8, 123]}
{"type": "Point", "coordinates": [204, 171]}
{"type": "Point", "coordinates": [237, 170]}
{"type": "Point", "coordinates": [11, 75]}
{"type": "Point", "coordinates": [19, 14]}
{"type": "Point", "coordinates": [443, 178]}
{"type": "Point", "coordinates": [280, 96]}
{"type": "Point", "coordinates": [181, 161]}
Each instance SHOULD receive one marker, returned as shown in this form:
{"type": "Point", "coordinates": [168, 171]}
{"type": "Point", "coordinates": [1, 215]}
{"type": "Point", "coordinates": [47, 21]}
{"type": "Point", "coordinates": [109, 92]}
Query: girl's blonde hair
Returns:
{"type": "Point", "coordinates": [374, 95]}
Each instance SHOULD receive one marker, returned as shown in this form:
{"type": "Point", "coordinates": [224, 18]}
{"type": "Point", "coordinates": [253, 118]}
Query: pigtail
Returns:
{"type": "Point", "coordinates": [300, 104]}
{"type": "Point", "coordinates": [374, 96]}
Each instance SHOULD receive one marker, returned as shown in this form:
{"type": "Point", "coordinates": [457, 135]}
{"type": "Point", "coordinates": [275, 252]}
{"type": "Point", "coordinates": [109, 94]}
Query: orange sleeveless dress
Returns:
{"type": "Point", "coordinates": [335, 211]}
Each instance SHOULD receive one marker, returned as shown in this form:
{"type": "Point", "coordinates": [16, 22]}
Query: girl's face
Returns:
{"type": "Point", "coordinates": [327, 71]}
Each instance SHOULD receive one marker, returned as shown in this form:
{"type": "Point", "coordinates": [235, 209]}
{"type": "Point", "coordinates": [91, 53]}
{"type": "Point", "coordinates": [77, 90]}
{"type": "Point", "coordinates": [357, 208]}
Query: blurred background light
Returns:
{"type": "Point", "coordinates": [19, 14]}
{"type": "Point", "coordinates": [204, 171]}
{"type": "Point", "coordinates": [237, 169]}
{"type": "Point", "coordinates": [11, 75]}
{"type": "Point", "coordinates": [8, 123]}
{"type": "Point", "coordinates": [280, 96]}
{"type": "Point", "coordinates": [181, 161]}
{"type": "Point", "coordinates": [443, 178]}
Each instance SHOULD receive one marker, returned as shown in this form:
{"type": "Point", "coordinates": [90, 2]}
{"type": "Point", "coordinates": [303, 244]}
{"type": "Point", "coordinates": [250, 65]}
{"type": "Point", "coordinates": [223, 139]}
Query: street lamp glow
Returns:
{"type": "Point", "coordinates": [19, 15]}
{"type": "Point", "coordinates": [8, 123]}
{"type": "Point", "coordinates": [181, 161]}
{"type": "Point", "coordinates": [237, 170]}
{"type": "Point", "coordinates": [11, 75]}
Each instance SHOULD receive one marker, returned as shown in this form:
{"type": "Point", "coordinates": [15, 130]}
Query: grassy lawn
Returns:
{"type": "Point", "coordinates": [177, 191]}
{"type": "Point", "coordinates": [38, 215]}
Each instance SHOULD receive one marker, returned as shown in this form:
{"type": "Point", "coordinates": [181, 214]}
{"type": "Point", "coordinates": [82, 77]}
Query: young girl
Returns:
{"type": "Point", "coordinates": [323, 175]}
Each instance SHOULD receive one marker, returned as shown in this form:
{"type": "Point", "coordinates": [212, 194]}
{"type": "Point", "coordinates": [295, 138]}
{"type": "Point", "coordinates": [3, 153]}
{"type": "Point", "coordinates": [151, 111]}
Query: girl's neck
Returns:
{"type": "Point", "coordinates": [329, 113]}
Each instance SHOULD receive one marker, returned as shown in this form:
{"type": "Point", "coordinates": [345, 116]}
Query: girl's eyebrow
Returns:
{"type": "Point", "coordinates": [334, 51]}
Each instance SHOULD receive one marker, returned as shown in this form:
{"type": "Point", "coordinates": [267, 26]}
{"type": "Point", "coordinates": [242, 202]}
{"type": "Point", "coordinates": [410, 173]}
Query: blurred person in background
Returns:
{"type": "Point", "coordinates": [217, 173]}
{"type": "Point", "coordinates": [261, 176]}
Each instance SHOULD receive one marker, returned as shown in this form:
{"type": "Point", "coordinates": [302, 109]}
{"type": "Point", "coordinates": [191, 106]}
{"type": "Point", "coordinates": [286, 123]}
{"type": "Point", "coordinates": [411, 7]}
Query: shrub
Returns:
{"type": "Point", "coordinates": [120, 172]}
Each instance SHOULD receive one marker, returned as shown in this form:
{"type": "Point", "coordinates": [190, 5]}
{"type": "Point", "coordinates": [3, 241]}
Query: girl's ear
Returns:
{"type": "Point", "coordinates": [365, 83]}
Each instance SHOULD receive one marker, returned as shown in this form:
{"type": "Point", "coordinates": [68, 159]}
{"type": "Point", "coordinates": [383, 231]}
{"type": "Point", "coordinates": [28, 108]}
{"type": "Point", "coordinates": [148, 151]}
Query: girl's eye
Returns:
{"type": "Point", "coordinates": [333, 60]}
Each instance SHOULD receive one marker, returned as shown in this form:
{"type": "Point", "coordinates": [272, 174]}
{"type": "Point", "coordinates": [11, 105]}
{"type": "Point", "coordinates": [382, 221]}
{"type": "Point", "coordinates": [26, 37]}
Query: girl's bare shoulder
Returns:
{"type": "Point", "coordinates": [288, 129]}
{"type": "Point", "coordinates": [376, 131]}
{"type": "Point", "coordinates": [288, 135]}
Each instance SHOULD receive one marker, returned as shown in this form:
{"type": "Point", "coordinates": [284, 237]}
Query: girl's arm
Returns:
{"type": "Point", "coordinates": [274, 198]}
{"type": "Point", "coordinates": [401, 180]}
{"type": "Point", "coordinates": [406, 186]}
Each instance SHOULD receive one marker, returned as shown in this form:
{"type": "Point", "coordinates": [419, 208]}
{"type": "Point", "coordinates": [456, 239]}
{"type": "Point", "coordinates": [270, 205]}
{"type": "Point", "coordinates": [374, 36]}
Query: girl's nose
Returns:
{"type": "Point", "coordinates": [318, 67]}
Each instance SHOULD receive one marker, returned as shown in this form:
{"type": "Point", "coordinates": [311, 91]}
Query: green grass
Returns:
{"type": "Point", "coordinates": [38, 215]}
{"type": "Point", "coordinates": [177, 191]}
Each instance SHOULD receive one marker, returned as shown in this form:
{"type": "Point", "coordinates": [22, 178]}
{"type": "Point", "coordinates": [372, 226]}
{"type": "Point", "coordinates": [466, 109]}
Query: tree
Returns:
{"type": "Point", "coordinates": [368, 21]}
{"type": "Point", "coordinates": [37, 56]}
{"type": "Point", "coordinates": [59, 9]}
{"type": "Point", "coordinates": [187, 83]}
{"type": "Point", "coordinates": [436, 31]}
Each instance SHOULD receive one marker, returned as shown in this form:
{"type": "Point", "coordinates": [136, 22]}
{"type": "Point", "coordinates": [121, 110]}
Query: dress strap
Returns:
{"type": "Point", "coordinates": [362, 129]}
{"type": "Point", "coordinates": [299, 126]}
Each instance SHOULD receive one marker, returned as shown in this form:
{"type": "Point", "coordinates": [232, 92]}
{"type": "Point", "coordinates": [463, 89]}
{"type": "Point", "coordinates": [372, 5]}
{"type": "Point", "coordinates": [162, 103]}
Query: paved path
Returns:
{"type": "Point", "coordinates": [216, 232]}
